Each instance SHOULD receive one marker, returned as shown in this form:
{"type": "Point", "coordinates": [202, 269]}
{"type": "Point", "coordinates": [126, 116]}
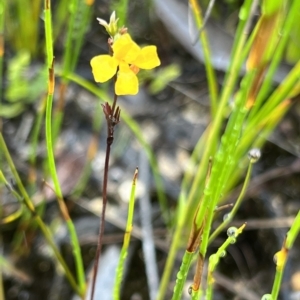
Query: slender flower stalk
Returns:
{"type": "Point", "coordinates": [123, 62]}
{"type": "Point", "coordinates": [254, 155]}
{"type": "Point", "coordinates": [214, 259]}
{"type": "Point", "coordinates": [112, 119]}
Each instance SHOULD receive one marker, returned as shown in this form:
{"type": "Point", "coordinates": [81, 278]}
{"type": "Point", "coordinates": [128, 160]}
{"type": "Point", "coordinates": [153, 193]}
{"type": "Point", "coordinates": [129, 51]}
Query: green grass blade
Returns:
{"type": "Point", "coordinates": [210, 72]}
{"type": "Point", "coordinates": [51, 161]}
{"type": "Point", "coordinates": [124, 250]}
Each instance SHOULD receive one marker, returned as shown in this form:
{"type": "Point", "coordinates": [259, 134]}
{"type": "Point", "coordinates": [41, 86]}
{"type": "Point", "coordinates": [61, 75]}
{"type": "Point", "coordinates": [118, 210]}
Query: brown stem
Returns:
{"type": "Point", "coordinates": [114, 104]}
{"type": "Point", "coordinates": [112, 116]}
{"type": "Point", "coordinates": [102, 221]}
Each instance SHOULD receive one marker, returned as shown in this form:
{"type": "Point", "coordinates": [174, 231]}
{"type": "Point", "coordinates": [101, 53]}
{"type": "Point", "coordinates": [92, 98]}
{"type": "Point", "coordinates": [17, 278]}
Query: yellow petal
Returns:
{"type": "Point", "coordinates": [127, 82]}
{"type": "Point", "coordinates": [147, 58]}
{"type": "Point", "coordinates": [104, 67]}
{"type": "Point", "coordinates": [125, 49]}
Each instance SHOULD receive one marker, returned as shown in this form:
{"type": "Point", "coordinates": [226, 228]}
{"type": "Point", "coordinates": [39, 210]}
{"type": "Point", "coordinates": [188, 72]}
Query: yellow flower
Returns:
{"type": "Point", "coordinates": [127, 59]}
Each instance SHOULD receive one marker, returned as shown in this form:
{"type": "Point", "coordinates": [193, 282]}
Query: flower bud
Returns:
{"type": "Point", "coordinates": [111, 27]}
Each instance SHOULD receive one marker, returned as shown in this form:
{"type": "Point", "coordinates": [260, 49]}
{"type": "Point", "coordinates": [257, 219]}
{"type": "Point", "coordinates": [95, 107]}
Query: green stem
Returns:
{"type": "Point", "coordinates": [182, 274]}
{"type": "Point", "coordinates": [215, 258]}
{"type": "Point", "coordinates": [48, 33]}
{"type": "Point", "coordinates": [124, 250]}
{"type": "Point", "coordinates": [277, 284]}
{"type": "Point", "coordinates": [51, 161]}
{"type": "Point", "coordinates": [211, 75]}
{"type": "Point", "coordinates": [293, 232]}
{"type": "Point", "coordinates": [234, 210]}
{"type": "Point", "coordinates": [290, 239]}
{"type": "Point", "coordinates": [70, 225]}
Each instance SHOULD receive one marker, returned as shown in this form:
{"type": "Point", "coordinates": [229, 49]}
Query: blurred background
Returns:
{"type": "Point", "coordinates": [170, 113]}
